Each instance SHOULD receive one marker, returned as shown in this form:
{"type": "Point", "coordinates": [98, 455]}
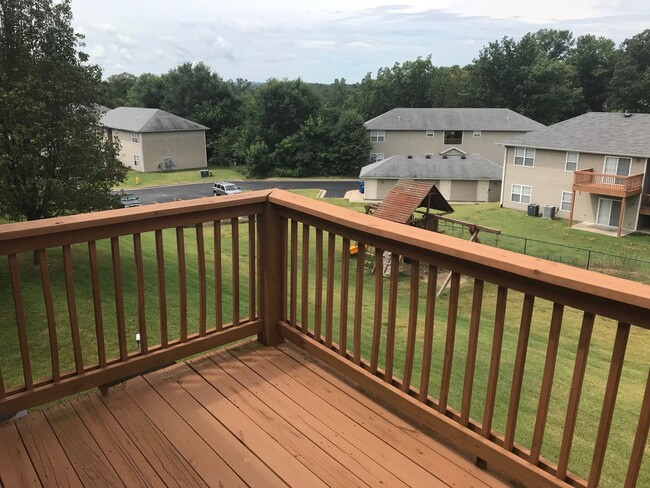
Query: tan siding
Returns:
{"type": "Point", "coordinates": [416, 143]}
{"type": "Point", "coordinates": [128, 149]}
{"type": "Point", "coordinates": [463, 191]}
{"type": "Point", "coordinates": [186, 148]}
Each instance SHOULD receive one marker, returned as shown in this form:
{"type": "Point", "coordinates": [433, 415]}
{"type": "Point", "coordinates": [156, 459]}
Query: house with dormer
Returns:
{"type": "Point", "coordinates": [431, 131]}
{"type": "Point", "coordinates": [591, 169]}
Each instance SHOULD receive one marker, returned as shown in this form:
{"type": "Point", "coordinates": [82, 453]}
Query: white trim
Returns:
{"type": "Point", "coordinates": [512, 191]}
{"type": "Point", "coordinates": [377, 157]}
{"type": "Point", "coordinates": [453, 148]}
{"type": "Point", "coordinates": [618, 160]}
{"type": "Point", "coordinates": [135, 137]}
{"type": "Point", "coordinates": [377, 136]}
{"type": "Point", "coordinates": [429, 133]}
{"type": "Point", "coordinates": [566, 161]}
{"type": "Point", "coordinates": [570, 202]}
{"type": "Point", "coordinates": [524, 157]}
{"type": "Point", "coordinates": [503, 176]}
{"type": "Point", "coordinates": [136, 160]}
{"type": "Point", "coordinates": [600, 199]}
{"type": "Point", "coordinates": [444, 137]}
{"type": "Point", "coordinates": [476, 133]}
{"type": "Point", "coordinates": [638, 209]}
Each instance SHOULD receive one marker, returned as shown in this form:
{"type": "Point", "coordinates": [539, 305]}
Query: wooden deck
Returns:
{"type": "Point", "coordinates": [249, 416]}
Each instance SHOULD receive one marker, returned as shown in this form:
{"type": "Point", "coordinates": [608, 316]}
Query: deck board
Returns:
{"type": "Point", "coordinates": [247, 416]}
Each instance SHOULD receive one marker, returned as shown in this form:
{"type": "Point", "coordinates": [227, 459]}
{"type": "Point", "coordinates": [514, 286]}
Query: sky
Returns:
{"type": "Point", "coordinates": [327, 40]}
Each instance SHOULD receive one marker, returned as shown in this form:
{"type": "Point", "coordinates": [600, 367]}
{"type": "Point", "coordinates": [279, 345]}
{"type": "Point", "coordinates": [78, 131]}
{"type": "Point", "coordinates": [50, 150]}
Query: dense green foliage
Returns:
{"type": "Point", "coordinates": [54, 158]}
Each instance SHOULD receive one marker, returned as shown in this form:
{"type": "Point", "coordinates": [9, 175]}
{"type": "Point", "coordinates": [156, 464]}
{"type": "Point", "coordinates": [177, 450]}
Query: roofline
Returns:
{"type": "Point", "coordinates": [156, 131]}
{"type": "Point", "coordinates": [602, 153]}
{"type": "Point", "coordinates": [464, 130]}
{"type": "Point", "coordinates": [425, 179]}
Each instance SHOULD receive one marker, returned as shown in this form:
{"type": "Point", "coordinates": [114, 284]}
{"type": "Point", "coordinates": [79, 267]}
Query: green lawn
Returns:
{"type": "Point", "coordinates": [178, 177]}
{"type": "Point", "coordinates": [634, 371]}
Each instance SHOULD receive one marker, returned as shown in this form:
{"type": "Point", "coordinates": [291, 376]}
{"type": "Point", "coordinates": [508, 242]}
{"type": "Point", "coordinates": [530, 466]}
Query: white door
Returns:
{"type": "Point", "coordinates": [608, 212]}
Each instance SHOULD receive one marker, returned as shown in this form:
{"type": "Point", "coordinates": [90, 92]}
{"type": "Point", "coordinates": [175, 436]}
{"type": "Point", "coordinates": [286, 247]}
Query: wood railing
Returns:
{"type": "Point", "coordinates": [625, 184]}
{"type": "Point", "coordinates": [473, 382]}
{"type": "Point", "coordinates": [477, 365]}
{"type": "Point", "coordinates": [645, 201]}
{"type": "Point", "coordinates": [94, 299]}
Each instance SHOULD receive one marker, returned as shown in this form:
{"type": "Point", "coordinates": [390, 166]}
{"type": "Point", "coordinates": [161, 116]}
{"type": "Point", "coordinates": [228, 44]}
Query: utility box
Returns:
{"type": "Point", "coordinates": [533, 210]}
{"type": "Point", "coordinates": [549, 211]}
{"type": "Point", "coordinates": [205, 173]}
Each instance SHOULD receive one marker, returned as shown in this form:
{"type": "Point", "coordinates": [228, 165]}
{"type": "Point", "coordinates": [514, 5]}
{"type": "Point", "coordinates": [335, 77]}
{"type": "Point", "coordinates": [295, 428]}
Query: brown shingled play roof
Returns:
{"type": "Point", "coordinates": [408, 195]}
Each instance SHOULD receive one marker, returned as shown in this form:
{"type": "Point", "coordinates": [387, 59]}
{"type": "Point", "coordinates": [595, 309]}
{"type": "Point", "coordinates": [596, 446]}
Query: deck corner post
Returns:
{"type": "Point", "coordinates": [271, 276]}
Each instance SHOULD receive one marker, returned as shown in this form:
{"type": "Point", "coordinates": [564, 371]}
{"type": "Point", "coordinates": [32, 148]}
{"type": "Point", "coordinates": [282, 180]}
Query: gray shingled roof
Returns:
{"type": "Point", "coordinates": [436, 168]}
{"type": "Point", "coordinates": [135, 119]}
{"type": "Point", "coordinates": [488, 119]}
{"type": "Point", "coordinates": [593, 132]}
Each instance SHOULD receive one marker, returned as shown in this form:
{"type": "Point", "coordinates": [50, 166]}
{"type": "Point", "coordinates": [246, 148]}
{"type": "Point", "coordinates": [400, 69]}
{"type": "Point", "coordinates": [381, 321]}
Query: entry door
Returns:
{"type": "Point", "coordinates": [608, 212]}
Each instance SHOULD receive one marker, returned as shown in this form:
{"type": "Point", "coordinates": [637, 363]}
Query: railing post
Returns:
{"type": "Point", "coordinates": [271, 274]}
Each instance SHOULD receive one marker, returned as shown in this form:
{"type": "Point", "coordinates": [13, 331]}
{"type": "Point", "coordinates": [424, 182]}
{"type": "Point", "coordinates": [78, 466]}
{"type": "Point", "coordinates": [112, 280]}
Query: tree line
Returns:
{"type": "Point", "coordinates": [293, 128]}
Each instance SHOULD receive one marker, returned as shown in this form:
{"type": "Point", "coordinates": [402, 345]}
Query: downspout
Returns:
{"type": "Point", "coordinates": [503, 175]}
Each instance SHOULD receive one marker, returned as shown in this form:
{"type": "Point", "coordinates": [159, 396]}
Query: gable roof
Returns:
{"type": "Point", "coordinates": [437, 167]}
{"type": "Point", "coordinates": [593, 132]}
{"type": "Point", "coordinates": [487, 119]}
{"type": "Point", "coordinates": [408, 195]}
{"type": "Point", "coordinates": [135, 119]}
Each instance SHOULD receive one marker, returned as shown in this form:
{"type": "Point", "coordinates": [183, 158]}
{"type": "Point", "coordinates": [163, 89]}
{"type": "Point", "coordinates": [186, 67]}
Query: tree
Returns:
{"type": "Point", "coordinates": [54, 158]}
{"type": "Point", "coordinates": [116, 88]}
{"type": "Point", "coordinates": [631, 79]}
{"type": "Point", "coordinates": [593, 60]}
{"type": "Point", "coordinates": [147, 91]}
{"type": "Point", "coordinates": [351, 145]}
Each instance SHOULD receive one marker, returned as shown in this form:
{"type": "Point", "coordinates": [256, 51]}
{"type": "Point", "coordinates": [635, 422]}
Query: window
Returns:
{"type": "Point", "coordinates": [374, 157]}
{"type": "Point", "coordinates": [453, 137]}
{"type": "Point", "coordinates": [136, 160]}
{"type": "Point", "coordinates": [521, 194]}
{"type": "Point", "coordinates": [377, 136]}
{"type": "Point", "coordinates": [524, 156]}
{"type": "Point", "coordinates": [617, 166]}
{"type": "Point", "coordinates": [134, 136]}
{"type": "Point", "coordinates": [476, 133]}
{"type": "Point", "coordinates": [571, 163]}
{"type": "Point", "coordinates": [429, 133]}
{"type": "Point", "coordinates": [565, 205]}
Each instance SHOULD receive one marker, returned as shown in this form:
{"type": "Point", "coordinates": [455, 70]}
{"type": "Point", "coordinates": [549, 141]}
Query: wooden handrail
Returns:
{"type": "Point", "coordinates": [303, 286]}
{"type": "Point", "coordinates": [645, 201]}
{"type": "Point", "coordinates": [593, 294]}
{"type": "Point", "coordinates": [589, 177]}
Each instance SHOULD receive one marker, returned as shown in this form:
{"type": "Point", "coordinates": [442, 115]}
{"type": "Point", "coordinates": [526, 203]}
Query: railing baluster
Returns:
{"type": "Point", "coordinates": [329, 298]}
{"type": "Point", "coordinates": [427, 348]}
{"type": "Point", "coordinates": [547, 382]}
{"type": "Point", "coordinates": [72, 309]}
{"type": "Point", "coordinates": [119, 297]}
{"type": "Point", "coordinates": [412, 325]}
{"type": "Point", "coordinates": [234, 223]}
{"type": "Point", "coordinates": [162, 291]}
{"type": "Point", "coordinates": [304, 280]}
{"type": "Point", "coordinates": [318, 293]}
{"type": "Point", "coordinates": [518, 374]}
{"type": "Point", "coordinates": [392, 317]}
{"type": "Point", "coordinates": [452, 315]}
{"type": "Point", "coordinates": [640, 439]}
{"type": "Point", "coordinates": [575, 392]}
{"type": "Point", "coordinates": [285, 266]}
{"type": "Point", "coordinates": [97, 304]}
{"type": "Point", "coordinates": [358, 302]}
{"type": "Point", "coordinates": [472, 344]}
{"type": "Point", "coordinates": [2, 386]}
{"type": "Point", "coordinates": [379, 299]}
{"type": "Point", "coordinates": [139, 273]}
{"type": "Point", "coordinates": [293, 285]}
{"type": "Point", "coordinates": [613, 379]}
{"type": "Point", "coordinates": [49, 313]}
{"type": "Point", "coordinates": [203, 291]}
{"type": "Point", "coordinates": [20, 321]}
{"type": "Point", "coordinates": [182, 283]}
{"type": "Point", "coordinates": [345, 285]}
{"type": "Point", "coordinates": [218, 277]}
{"type": "Point", "coordinates": [495, 361]}
{"type": "Point", "coordinates": [252, 285]}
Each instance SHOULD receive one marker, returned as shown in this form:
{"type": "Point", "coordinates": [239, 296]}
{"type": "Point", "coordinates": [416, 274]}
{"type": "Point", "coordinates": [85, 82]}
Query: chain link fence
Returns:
{"type": "Point", "coordinates": [629, 267]}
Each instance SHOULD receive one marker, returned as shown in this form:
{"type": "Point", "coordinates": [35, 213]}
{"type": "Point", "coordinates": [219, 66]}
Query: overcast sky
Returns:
{"type": "Point", "coordinates": [321, 41]}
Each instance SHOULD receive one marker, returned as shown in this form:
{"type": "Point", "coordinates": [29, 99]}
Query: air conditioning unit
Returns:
{"type": "Point", "coordinates": [549, 211]}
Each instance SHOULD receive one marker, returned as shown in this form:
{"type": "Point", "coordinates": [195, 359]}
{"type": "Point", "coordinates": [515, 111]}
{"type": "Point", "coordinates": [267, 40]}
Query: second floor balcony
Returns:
{"type": "Point", "coordinates": [607, 184]}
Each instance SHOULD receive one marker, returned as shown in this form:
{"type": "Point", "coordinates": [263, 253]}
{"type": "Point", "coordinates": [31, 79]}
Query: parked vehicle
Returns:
{"type": "Point", "coordinates": [129, 200]}
{"type": "Point", "coordinates": [225, 188]}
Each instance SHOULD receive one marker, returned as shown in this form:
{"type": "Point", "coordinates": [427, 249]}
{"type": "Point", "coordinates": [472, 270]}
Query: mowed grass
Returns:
{"type": "Point", "coordinates": [178, 177]}
{"type": "Point", "coordinates": [635, 368]}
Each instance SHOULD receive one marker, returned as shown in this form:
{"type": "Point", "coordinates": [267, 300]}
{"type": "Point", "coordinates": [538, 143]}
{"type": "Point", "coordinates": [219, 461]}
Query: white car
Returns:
{"type": "Point", "coordinates": [225, 188]}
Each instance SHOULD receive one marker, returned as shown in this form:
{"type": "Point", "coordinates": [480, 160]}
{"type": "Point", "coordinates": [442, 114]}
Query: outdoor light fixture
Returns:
{"type": "Point", "coordinates": [137, 339]}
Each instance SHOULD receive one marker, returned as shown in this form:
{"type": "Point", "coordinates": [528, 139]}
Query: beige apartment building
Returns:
{"type": "Point", "coordinates": [155, 140]}
{"type": "Point", "coordinates": [591, 169]}
{"type": "Point", "coordinates": [431, 131]}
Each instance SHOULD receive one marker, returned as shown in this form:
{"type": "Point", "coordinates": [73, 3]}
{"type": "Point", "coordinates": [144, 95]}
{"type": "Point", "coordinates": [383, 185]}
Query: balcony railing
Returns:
{"type": "Point", "coordinates": [191, 276]}
{"type": "Point", "coordinates": [645, 204]}
{"type": "Point", "coordinates": [607, 184]}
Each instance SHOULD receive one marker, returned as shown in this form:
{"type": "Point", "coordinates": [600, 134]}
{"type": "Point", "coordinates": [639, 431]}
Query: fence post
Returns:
{"type": "Point", "coordinates": [525, 244]}
{"type": "Point", "coordinates": [271, 274]}
{"type": "Point", "coordinates": [589, 259]}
